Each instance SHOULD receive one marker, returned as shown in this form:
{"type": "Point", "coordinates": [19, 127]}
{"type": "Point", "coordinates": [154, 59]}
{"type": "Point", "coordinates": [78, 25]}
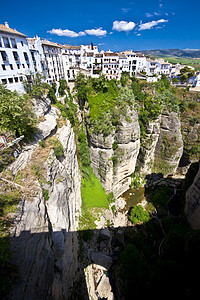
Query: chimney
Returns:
{"type": "Point", "coordinates": [6, 24]}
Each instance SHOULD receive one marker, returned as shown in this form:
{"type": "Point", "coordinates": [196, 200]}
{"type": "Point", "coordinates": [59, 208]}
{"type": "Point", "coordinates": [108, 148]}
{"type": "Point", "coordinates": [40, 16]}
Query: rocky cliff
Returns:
{"type": "Point", "coordinates": [113, 158]}
{"type": "Point", "coordinates": [192, 205]}
{"type": "Point", "coordinates": [44, 234]}
{"type": "Point", "coordinates": [162, 148]}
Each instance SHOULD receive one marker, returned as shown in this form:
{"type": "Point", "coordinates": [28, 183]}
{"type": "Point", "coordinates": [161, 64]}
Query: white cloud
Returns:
{"type": "Point", "coordinates": [98, 32]}
{"type": "Point", "coordinates": [125, 10]}
{"type": "Point", "coordinates": [149, 25]}
{"type": "Point", "coordinates": [66, 32]}
{"type": "Point", "coordinates": [72, 34]}
{"type": "Point", "coordinates": [123, 26]}
{"type": "Point", "coordinates": [149, 15]}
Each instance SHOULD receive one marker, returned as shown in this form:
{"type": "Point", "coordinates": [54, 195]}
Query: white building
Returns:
{"type": "Point", "coordinates": [53, 59]}
{"type": "Point", "coordinates": [16, 62]}
{"type": "Point", "coordinates": [110, 66]}
{"type": "Point", "coordinates": [164, 67]}
{"type": "Point", "coordinates": [151, 67]}
{"type": "Point", "coordinates": [36, 50]}
{"type": "Point", "coordinates": [136, 62]}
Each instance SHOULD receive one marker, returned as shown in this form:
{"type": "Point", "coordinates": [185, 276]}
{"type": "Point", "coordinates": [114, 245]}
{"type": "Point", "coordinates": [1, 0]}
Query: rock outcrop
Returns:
{"type": "Point", "coordinates": [192, 206]}
{"type": "Point", "coordinates": [113, 158]}
{"type": "Point", "coordinates": [162, 148]}
{"type": "Point", "coordinates": [44, 236]}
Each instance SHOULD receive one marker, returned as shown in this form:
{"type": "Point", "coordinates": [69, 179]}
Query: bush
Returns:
{"type": "Point", "coordinates": [138, 214]}
{"type": "Point", "coordinates": [115, 145]}
{"type": "Point", "coordinates": [58, 149]}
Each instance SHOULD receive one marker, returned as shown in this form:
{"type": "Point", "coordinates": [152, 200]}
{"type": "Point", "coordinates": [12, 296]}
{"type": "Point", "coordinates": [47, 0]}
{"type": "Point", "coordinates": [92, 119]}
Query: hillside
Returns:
{"type": "Point", "coordinates": [182, 53]}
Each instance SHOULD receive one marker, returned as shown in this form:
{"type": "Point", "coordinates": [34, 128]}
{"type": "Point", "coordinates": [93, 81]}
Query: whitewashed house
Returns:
{"type": "Point", "coordinates": [151, 67]}
{"type": "Point", "coordinates": [110, 66]}
{"type": "Point", "coordinates": [136, 62]}
{"type": "Point", "coordinates": [37, 54]}
{"type": "Point", "coordinates": [16, 63]}
{"type": "Point", "coordinates": [53, 59]}
{"type": "Point", "coordinates": [164, 67]}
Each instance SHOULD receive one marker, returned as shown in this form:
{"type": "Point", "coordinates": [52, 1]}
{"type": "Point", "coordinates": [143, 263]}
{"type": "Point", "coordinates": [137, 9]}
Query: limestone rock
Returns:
{"type": "Point", "coordinates": [104, 288]}
{"type": "Point", "coordinates": [44, 235]}
{"type": "Point", "coordinates": [192, 206]}
{"type": "Point", "coordinates": [114, 167]}
{"type": "Point", "coordinates": [101, 259]}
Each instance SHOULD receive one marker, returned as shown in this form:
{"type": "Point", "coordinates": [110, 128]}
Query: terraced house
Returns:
{"type": "Point", "coordinates": [16, 63]}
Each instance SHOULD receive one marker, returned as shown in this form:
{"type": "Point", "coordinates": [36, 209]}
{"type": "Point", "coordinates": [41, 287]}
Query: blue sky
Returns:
{"type": "Point", "coordinates": [116, 25]}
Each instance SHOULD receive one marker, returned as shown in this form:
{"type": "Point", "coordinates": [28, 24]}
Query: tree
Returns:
{"type": "Point", "coordinates": [16, 113]}
{"type": "Point", "coordinates": [62, 87]}
{"type": "Point", "coordinates": [80, 85]}
{"type": "Point", "coordinates": [36, 87]}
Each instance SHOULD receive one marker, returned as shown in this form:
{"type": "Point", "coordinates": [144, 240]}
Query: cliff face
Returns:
{"type": "Point", "coordinates": [41, 244]}
{"type": "Point", "coordinates": [162, 148]}
{"type": "Point", "coordinates": [113, 158]}
{"type": "Point", "coordinates": [192, 205]}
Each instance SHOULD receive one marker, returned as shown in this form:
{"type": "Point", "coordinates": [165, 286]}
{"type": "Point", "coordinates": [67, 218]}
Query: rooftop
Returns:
{"type": "Point", "coordinates": [7, 29]}
{"type": "Point", "coordinates": [48, 43]}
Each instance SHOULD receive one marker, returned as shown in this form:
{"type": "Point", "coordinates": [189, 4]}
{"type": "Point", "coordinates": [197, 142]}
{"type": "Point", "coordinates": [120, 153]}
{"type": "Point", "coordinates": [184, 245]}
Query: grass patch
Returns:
{"type": "Point", "coordinates": [92, 192]}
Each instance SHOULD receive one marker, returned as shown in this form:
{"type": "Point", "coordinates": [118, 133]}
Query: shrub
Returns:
{"type": "Point", "coordinates": [115, 145]}
{"type": "Point", "coordinates": [138, 214]}
{"type": "Point", "coordinates": [58, 148]}
{"type": "Point", "coordinates": [114, 160]}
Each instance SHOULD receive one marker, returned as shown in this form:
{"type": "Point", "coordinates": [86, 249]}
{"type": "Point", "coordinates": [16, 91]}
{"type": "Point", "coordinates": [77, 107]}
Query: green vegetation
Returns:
{"type": "Point", "coordinates": [16, 113]}
{"type": "Point", "coordinates": [184, 61]}
{"type": "Point", "coordinates": [58, 149]}
{"type": "Point", "coordinates": [62, 87]}
{"type": "Point", "coordinates": [139, 215]}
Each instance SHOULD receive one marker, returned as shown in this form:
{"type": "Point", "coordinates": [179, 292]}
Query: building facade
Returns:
{"type": "Point", "coordinates": [16, 64]}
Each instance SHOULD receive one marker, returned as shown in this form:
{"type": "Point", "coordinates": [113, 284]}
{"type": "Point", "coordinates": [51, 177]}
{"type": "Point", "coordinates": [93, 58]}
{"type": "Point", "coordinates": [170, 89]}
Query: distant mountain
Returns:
{"type": "Point", "coordinates": [186, 53]}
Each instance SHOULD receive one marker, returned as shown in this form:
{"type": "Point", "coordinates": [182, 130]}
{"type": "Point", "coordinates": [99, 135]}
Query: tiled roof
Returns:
{"type": "Point", "coordinates": [48, 43]}
{"type": "Point", "coordinates": [6, 29]}
{"type": "Point", "coordinates": [111, 54]}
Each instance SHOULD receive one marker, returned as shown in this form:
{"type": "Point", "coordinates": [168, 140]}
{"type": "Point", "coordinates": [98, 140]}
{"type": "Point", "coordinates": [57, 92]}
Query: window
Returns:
{"type": "Point", "coordinates": [0, 43]}
{"type": "Point", "coordinates": [4, 55]}
{"type": "Point", "coordinates": [28, 65]}
{"type": "Point", "coordinates": [23, 65]}
{"type": "Point", "coordinates": [33, 57]}
{"type": "Point", "coordinates": [10, 80]}
{"type": "Point", "coordinates": [16, 56]}
{"type": "Point", "coordinates": [6, 42]}
{"type": "Point", "coordinates": [11, 66]}
{"type": "Point", "coordinates": [22, 43]}
{"type": "Point", "coordinates": [26, 56]}
{"type": "Point", "coordinates": [3, 67]}
{"type": "Point", "coordinates": [16, 79]}
{"type": "Point", "coordinates": [13, 43]}
{"type": "Point", "coordinates": [4, 81]}
{"type": "Point", "coordinates": [21, 78]}
{"type": "Point", "coordinates": [18, 66]}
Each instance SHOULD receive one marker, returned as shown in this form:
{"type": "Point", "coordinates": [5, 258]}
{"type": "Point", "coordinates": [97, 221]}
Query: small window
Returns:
{"type": "Point", "coordinates": [21, 78]}
{"type": "Point", "coordinates": [23, 65]}
{"type": "Point", "coordinates": [3, 67]}
{"type": "Point", "coordinates": [11, 66]}
{"type": "Point", "coordinates": [22, 43]}
{"type": "Point", "coordinates": [4, 81]}
{"type": "Point", "coordinates": [18, 66]}
{"type": "Point", "coordinates": [28, 65]}
{"type": "Point", "coordinates": [16, 56]}
{"type": "Point", "coordinates": [4, 55]}
{"type": "Point", "coordinates": [16, 79]}
{"type": "Point", "coordinates": [26, 56]}
{"type": "Point", "coordinates": [13, 43]}
{"type": "Point", "coordinates": [0, 43]}
{"type": "Point", "coordinates": [10, 80]}
{"type": "Point", "coordinates": [6, 42]}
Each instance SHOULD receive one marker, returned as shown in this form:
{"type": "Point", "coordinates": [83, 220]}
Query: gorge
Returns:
{"type": "Point", "coordinates": [127, 143]}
